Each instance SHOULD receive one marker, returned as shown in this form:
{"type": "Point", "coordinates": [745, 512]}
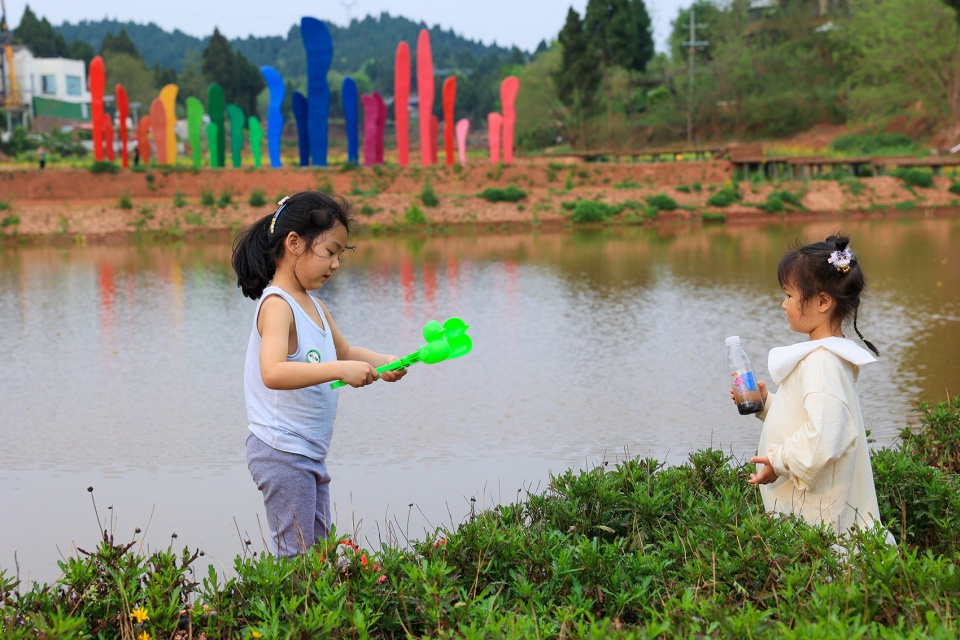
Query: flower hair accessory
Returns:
{"type": "Point", "coordinates": [841, 259]}
{"type": "Point", "coordinates": [282, 203]}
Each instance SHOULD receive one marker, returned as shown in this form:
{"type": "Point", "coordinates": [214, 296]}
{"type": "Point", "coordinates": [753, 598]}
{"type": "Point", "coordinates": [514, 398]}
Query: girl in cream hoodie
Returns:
{"type": "Point", "coordinates": [813, 460]}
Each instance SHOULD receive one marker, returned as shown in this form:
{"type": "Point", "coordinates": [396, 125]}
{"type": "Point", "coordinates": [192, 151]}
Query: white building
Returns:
{"type": "Point", "coordinates": [51, 87]}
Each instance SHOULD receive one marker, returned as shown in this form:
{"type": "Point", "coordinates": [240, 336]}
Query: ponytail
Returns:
{"type": "Point", "coordinates": [254, 259]}
{"type": "Point", "coordinates": [257, 250]}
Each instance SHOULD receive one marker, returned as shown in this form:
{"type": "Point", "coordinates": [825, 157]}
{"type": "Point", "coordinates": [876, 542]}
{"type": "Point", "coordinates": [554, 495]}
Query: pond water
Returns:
{"type": "Point", "coordinates": [122, 371]}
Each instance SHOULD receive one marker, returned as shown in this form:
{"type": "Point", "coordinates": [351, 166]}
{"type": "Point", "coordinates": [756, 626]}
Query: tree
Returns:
{"type": "Point", "coordinates": [133, 74]}
{"type": "Point", "coordinates": [120, 43]}
{"type": "Point", "coordinates": [609, 27]}
{"type": "Point", "coordinates": [241, 81]}
{"type": "Point", "coordinates": [39, 36]}
{"type": "Point", "coordinates": [81, 50]}
{"type": "Point", "coordinates": [579, 74]}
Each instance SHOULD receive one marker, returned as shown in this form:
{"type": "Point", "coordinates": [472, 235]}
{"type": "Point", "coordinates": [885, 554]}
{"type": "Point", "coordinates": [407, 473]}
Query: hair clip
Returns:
{"type": "Point", "coordinates": [282, 203]}
{"type": "Point", "coordinates": [841, 259]}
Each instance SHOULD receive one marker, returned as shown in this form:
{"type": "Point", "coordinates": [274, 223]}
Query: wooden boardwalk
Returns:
{"type": "Point", "coordinates": [668, 154]}
{"type": "Point", "coordinates": [806, 168]}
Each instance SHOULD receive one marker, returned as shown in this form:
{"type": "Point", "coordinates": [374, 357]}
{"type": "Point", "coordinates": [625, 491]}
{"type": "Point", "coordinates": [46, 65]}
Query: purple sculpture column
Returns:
{"type": "Point", "coordinates": [370, 117]}
{"type": "Point", "coordinates": [462, 129]}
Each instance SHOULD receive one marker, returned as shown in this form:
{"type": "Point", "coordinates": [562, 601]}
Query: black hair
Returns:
{"type": "Point", "coordinates": [258, 249]}
{"type": "Point", "coordinates": [810, 269]}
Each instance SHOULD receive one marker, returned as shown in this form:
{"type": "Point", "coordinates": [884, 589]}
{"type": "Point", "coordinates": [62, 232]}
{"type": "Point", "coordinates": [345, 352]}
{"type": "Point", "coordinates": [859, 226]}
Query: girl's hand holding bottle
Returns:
{"type": "Point", "coordinates": [762, 386]}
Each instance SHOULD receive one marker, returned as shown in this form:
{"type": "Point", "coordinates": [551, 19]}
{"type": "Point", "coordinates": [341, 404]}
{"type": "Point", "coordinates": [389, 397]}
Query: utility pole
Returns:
{"type": "Point", "coordinates": [692, 45]}
{"type": "Point", "coordinates": [348, 6]}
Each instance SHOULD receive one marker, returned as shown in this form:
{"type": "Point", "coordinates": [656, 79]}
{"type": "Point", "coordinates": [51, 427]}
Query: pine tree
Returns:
{"type": "Point", "coordinates": [120, 43]}
{"type": "Point", "coordinates": [579, 75]}
{"type": "Point", "coordinates": [39, 36]}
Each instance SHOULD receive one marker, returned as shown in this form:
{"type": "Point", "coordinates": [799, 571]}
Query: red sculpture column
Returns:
{"type": "Point", "coordinates": [449, 100]}
{"type": "Point", "coordinates": [96, 82]}
{"type": "Point", "coordinates": [434, 134]}
{"type": "Point", "coordinates": [108, 137]}
{"type": "Point", "coordinates": [425, 93]}
{"type": "Point", "coordinates": [401, 102]}
{"type": "Point", "coordinates": [123, 110]}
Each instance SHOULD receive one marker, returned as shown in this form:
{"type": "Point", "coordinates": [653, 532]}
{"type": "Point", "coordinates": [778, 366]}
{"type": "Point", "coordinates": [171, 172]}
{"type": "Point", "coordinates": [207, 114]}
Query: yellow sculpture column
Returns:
{"type": "Point", "coordinates": [168, 96]}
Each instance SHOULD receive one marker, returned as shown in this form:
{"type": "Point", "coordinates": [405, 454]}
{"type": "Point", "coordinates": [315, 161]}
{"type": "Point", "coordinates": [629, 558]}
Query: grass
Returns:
{"type": "Point", "coordinates": [511, 193]}
{"type": "Point", "coordinates": [257, 198]}
{"type": "Point", "coordinates": [636, 550]}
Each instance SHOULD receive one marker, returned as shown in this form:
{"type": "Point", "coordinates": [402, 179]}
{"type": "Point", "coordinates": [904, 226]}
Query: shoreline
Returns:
{"type": "Point", "coordinates": [59, 206]}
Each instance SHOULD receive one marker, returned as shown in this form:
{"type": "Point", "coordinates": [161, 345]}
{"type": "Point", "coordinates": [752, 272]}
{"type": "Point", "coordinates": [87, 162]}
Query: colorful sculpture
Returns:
{"type": "Point", "coordinates": [449, 100]}
{"type": "Point", "coordinates": [215, 107]}
{"type": "Point", "coordinates": [108, 137]}
{"type": "Point", "coordinates": [348, 93]}
{"type": "Point", "coordinates": [256, 139]}
{"type": "Point", "coordinates": [213, 141]}
{"type": "Point", "coordinates": [494, 123]}
{"type": "Point", "coordinates": [401, 102]}
{"type": "Point", "coordinates": [143, 139]}
{"type": "Point", "coordinates": [425, 91]}
{"type": "Point", "coordinates": [123, 111]}
{"type": "Point", "coordinates": [168, 96]}
{"type": "Point", "coordinates": [463, 128]}
{"type": "Point", "coordinates": [237, 120]}
{"type": "Point", "coordinates": [381, 125]}
{"type": "Point", "coordinates": [195, 129]}
{"type": "Point", "coordinates": [508, 96]}
{"type": "Point", "coordinates": [319, 46]}
{"type": "Point", "coordinates": [274, 114]}
{"type": "Point", "coordinates": [303, 127]}
{"type": "Point", "coordinates": [97, 80]}
{"type": "Point", "coordinates": [158, 127]}
{"type": "Point", "coordinates": [434, 136]}
{"type": "Point", "coordinates": [370, 113]}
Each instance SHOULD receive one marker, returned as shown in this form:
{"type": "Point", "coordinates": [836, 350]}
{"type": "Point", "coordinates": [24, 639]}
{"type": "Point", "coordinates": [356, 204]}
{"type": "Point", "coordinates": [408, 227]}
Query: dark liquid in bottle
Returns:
{"type": "Point", "coordinates": [749, 406]}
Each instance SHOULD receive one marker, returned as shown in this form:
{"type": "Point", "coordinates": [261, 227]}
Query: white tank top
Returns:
{"type": "Point", "coordinates": [297, 420]}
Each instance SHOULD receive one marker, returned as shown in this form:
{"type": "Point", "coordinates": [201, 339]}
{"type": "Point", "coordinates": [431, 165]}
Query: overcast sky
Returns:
{"type": "Point", "coordinates": [523, 23]}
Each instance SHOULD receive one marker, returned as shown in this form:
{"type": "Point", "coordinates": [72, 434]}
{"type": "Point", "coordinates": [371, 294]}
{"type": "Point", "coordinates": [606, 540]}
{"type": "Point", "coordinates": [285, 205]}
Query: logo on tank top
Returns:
{"type": "Point", "coordinates": [313, 356]}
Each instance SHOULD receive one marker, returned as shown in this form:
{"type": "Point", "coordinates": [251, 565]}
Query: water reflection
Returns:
{"type": "Point", "coordinates": [122, 369]}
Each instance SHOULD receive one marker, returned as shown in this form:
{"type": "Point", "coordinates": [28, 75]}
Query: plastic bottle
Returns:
{"type": "Point", "coordinates": [745, 386]}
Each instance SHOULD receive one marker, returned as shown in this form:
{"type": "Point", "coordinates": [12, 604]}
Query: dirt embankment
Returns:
{"type": "Point", "coordinates": [76, 202]}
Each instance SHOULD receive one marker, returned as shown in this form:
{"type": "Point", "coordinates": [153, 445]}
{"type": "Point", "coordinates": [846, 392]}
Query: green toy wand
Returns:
{"type": "Point", "coordinates": [444, 342]}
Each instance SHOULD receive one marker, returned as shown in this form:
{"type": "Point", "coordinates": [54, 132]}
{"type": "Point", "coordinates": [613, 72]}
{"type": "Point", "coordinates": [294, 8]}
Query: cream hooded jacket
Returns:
{"type": "Point", "coordinates": [814, 436]}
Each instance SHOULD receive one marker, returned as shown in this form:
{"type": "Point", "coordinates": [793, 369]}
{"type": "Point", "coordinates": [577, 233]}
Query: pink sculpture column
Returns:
{"type": "Point", "coordinates": [401, 102]}
{"type": "Point", "coordinates": [370, 117]}
{"type": "Point", "coordinates": [425, 93]}
{"type": "Point", "coordinates": [158, 127]}
{"type": "Point", "coordinates": [434, 133]}
{"type": "Point", "coordinates": [463, 128]}
{"type": "Point", "coordinates": [381, 126]}
{"type": "Point", "coordinates": [508, 96]}
{"type": "Point", "coordinates": [494, 122]}
{"type": "Point", "coordinates": [449, 100]}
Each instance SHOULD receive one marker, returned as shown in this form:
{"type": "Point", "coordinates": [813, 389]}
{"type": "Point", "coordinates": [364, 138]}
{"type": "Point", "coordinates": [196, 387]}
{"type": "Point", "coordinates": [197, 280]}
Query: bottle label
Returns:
{"type": "Point", "coordinates": [745, 380]}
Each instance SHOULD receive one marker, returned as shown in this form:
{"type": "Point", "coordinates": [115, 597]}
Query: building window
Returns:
{"type": "Point", "coordinates": [74, 86]}
{"type": "Point", "coordinates": [48, 85]}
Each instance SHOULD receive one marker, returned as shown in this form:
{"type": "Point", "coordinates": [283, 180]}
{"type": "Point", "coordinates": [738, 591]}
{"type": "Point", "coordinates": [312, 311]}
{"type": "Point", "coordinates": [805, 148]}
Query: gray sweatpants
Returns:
{"type": "Point", "coordinates": [296, 496]}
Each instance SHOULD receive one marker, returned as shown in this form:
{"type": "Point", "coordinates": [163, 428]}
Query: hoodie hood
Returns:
{"type": "Point", "coordinates": [782, 360]}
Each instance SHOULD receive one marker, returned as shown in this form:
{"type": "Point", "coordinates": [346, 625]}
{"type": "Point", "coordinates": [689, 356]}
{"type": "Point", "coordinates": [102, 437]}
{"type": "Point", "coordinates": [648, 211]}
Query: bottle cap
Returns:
{"type": "Point", "coordinates": [732, 340]}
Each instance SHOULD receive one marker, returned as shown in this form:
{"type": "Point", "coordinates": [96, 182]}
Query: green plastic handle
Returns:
{"type": "Point", "coordinates": [444, 342]}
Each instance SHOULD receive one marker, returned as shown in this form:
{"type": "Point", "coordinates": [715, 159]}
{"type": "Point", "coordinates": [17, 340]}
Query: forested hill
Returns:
{"type": "Point", "coordinates": [371, 41]}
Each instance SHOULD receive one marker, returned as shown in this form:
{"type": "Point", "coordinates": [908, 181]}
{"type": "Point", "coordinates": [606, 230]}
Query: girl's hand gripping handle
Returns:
{"type": "Point", "coordinates": [390, 366]}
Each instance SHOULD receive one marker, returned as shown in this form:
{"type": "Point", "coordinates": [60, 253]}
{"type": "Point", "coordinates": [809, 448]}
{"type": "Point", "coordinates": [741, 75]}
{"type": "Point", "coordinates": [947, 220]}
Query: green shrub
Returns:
{"type": "Point", "coordinates": [414, 215]}
{"type": "Point", "coordinates": [367, 210]}
{"type": "Point", "coordinates": [125, 201]}
{"type": "Point", "coordinates": [568, 181]}
{"type": "Point", "coordinates": [588, 211]}
{"type": "Point", "coordinates": [914, 176]}
{"type": "Point", "coordinates": [874, 145]}
{"type": "Point", "coordinates": [714, 217]}
{"type": "Point", "coordinates": [662, 202]}
{"type": "Point", "coordinates": [104, 166]}
{"type": "Point", "coordinates": [206, 198]}
{"type": "Point", "coordinates": [774, 203]}
{"type": "Point", "coordinates": [428, 196]}
{"type": "Point", "coordinates": [719, 199]}
{"type": "Point", "coordinates": [10, 221]}
{"type": "Point", "coordinates": [179, 200]}
{"type": "Point", "coordinates": [509, 194]}
{"type": "Point", "coordinates": [4, 205]}
{"type": "Point", "coordinates": [684, 188]}
{"type": "Point", "coordinates": [853, 185]}
{"type": "Point", "coordinates": [954, 188]}
{"type": "Point", "coordinates": [257, 198]}
{"type": "Point", "coordinates": [225, 198]}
